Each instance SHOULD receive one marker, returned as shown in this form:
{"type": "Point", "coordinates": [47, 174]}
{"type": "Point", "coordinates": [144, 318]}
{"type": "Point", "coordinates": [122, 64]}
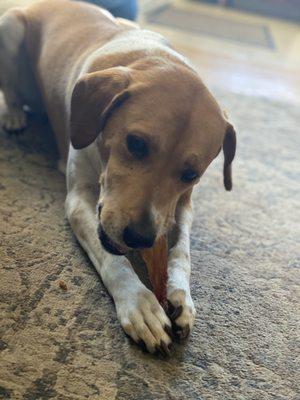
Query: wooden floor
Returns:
{"type": "Point", "coordinates": [272, 73]}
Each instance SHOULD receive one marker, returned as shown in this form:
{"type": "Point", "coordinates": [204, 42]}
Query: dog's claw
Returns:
{"type": "Point", "coordinates": [143, 346]}
{"type": "Point", "coordinates": [181, 333]}
{"type": "Point", "coordinates": [168, 330]}
{"type": "Point", "coordinates": [163, 349]}
{"type": "Point", "coordinates": [174, 312]}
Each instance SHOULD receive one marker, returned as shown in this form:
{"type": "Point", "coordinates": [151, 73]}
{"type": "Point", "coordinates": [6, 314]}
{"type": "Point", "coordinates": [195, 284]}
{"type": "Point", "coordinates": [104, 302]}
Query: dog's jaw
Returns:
{"type": "Point", "coordinates": [110, 246]}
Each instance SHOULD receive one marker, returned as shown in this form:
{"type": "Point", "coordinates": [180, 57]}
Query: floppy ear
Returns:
{"type": "Point", "coordinates": [229, 146]}
{"type": "Point", "coordinates": [94, 97]}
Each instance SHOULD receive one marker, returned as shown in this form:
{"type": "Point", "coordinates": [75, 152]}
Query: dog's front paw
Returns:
{"type": "Point", "coordinates": [181, 312]}
{"type": "Point", "coordinates": [145, 321]}
{"type": "Point", "coordinates": [14, 120]}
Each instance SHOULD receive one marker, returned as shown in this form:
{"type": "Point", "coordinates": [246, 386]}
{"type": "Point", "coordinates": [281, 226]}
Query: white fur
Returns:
{"type": "Point", "coordinates": [179, 269]}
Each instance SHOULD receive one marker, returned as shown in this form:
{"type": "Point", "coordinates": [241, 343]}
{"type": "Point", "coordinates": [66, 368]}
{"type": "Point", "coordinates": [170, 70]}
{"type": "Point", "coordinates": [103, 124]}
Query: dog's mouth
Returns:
{"type": "Point", "coordinates": [109, 245]}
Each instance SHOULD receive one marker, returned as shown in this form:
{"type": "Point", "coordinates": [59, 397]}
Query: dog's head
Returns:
{"type": "Point", "coordinates": [158, 129]}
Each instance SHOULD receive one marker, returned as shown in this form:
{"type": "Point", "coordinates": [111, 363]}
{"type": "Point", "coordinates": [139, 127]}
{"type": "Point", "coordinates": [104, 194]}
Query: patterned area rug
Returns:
{"type": "Point", "coordinates": [67, 344]}
{"type": "Point", "coordinates": [217, 26]}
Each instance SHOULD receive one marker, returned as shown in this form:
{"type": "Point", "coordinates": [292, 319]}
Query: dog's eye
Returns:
{"type": "Point", "coordinates": [137, 146]}
{"type": "Point", "coordinates": [189, 175]}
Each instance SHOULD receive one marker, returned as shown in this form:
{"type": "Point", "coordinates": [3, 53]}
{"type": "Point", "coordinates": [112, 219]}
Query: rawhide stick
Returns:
{"type": "Point", "coordinates": [156, 259]}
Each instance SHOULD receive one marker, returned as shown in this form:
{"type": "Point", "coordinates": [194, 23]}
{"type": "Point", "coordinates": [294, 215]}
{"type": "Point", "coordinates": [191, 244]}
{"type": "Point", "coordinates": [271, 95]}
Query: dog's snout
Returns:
{"type": "Point", "coordinates": [134, 239]}
{"type": "Point", "coordinates": [141, 233]}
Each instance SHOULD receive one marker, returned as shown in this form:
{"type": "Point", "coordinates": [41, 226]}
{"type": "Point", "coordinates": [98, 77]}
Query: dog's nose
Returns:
{"type": "Point", "coordinates": [136, 240]}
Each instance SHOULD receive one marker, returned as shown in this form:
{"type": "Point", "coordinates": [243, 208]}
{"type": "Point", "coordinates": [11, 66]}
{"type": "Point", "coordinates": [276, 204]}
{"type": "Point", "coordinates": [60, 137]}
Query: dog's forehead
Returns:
{"type": "Point", "coordinates": [184, 113]}
{"type": "Point", "coordinates": [206, 120]}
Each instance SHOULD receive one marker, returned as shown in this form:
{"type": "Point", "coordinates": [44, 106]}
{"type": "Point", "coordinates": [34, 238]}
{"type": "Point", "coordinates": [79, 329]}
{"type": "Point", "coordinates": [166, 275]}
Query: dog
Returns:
{"type": "Point", "coordinates": [136, 128]}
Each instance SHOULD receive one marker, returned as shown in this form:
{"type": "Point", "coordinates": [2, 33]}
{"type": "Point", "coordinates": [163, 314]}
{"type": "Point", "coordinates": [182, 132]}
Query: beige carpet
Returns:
{"type": "Point", "coordinates": [67, 344]}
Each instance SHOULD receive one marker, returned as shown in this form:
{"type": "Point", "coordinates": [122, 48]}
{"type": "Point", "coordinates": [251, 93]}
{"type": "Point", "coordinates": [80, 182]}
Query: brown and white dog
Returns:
{"type": "Point", "coordinates": [137, 129]}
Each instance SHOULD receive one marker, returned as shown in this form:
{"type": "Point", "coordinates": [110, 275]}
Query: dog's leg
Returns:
{"type": "Point", "coordinates": [12, 31]}
{"type": "Point", "coordinates": [182, 309]}
{"type": "Point", "coordinates": [138, 310]}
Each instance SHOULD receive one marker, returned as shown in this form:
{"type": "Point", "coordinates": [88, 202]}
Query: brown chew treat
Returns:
{"type": "Point", "coordinates": [156, 259]}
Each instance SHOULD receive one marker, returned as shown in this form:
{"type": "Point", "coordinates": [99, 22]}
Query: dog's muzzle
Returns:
{"type": "Point", "coordinates": [109, 245]}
